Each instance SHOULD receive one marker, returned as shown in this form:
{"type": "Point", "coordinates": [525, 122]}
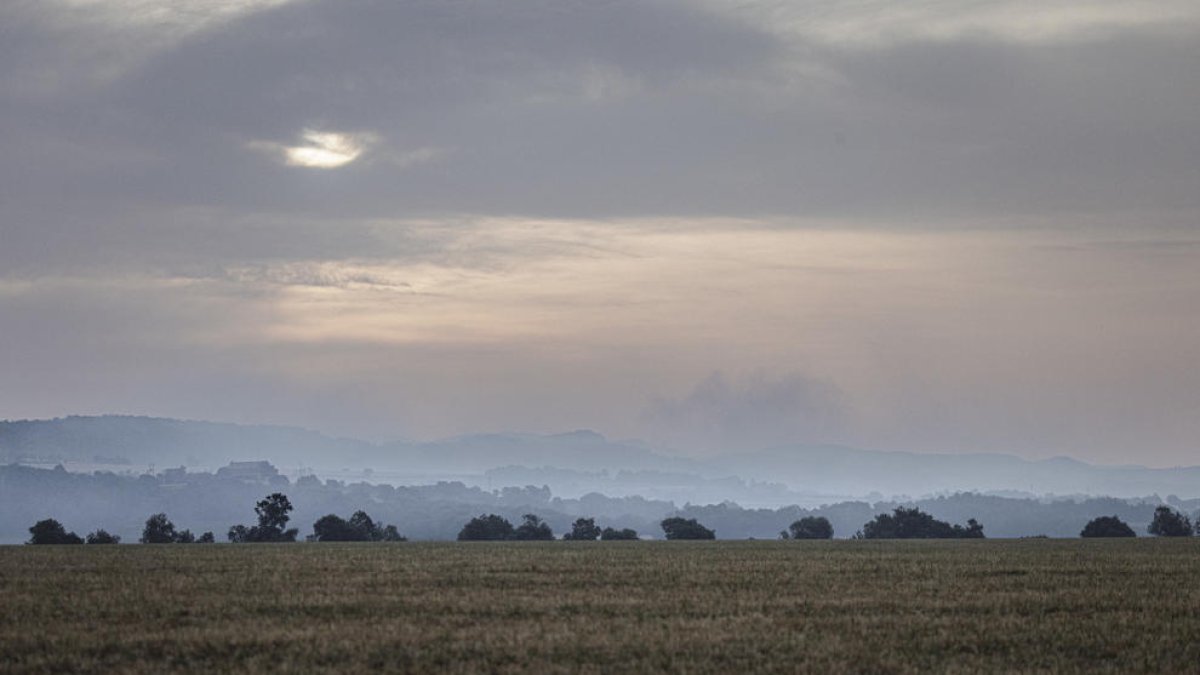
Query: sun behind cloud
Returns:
{"type": "Point", "coordinates": [320, 149]}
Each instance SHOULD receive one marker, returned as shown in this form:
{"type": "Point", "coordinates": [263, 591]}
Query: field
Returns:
{"type": "Point", "coordinates": [869, 606]}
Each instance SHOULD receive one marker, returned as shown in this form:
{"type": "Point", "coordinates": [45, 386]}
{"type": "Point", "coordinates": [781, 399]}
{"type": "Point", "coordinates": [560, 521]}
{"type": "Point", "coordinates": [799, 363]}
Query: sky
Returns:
{"type": "Point", "coordinates": [711, 225]}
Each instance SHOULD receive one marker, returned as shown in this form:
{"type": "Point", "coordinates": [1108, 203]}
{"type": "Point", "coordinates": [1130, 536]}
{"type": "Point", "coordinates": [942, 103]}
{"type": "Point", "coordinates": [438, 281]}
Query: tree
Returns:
{"type": "Point", "coordinates": [273, 517]}
{"type": "Point", "coordinates": [680, 528]}
{"type": "Point", "coordinates": [1170, 523]}
{"type": "Point", "coordinates": [1107, 526]}
{"type": "Point", "coordinates": [273, 512]}
{"type": "Point", "coordinates": [158, 530]}
{"type": "Point", "coordinates": [913, 523]}
{"type": "Point", "coordinates": [610, 534]}
{"type": "Point", "coordinates": [50, 531]}
{"type": "Point", "coordinates": [360, 527]}
{"type": "Point", "coordinates": [390, 533]}
{"type": "Point", "coordinates": [811, 527]}
{"type": "Point", "coordinates": [533, 529]}
{"type": "Point", "coordinates": [238, 534]}
{"type": "Point", "coordinates": [583, 529]}
{"type": "Point", "coordinates": [102, 537]}
{"type": "Point", "coordinates": [332, 528]}
{"type": "Point", "coordinates": [490, 527]}
{"type": "Point", "coordinates": [185, 537]}
{"type": "Point", "coordinates": [206, 538]}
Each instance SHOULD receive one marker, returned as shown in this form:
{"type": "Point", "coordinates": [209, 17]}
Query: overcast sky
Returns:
{"type": "Point", "coordinates": [711, 224]}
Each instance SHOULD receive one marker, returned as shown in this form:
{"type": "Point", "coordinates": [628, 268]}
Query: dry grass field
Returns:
{"type": "Point", "coordinates": [720, 607]}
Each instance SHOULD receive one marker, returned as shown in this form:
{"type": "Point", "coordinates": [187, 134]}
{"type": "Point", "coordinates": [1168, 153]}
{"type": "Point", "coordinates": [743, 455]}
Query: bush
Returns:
{"type": "Point", "coordinates": [159, 530]}
{"type": "Point", "coordinates": [680, 528]}
{"type": "Point", "coordinates": [584, 529]}
{"type": "Point", "coordinates": [1170, 523]}
{"type": "Point", "coordinates": [913, 523]}
{"type": "Point", "coordinates": [1107, 526]}
{"type": "Point", "coordinates": [533, 529]}
{"type": "Point", "coordinates": [624, 534]}
{"type": "Point", "coordinates": [50, 531]}
{"type": "Point", "coordinates": [103, 537]}
{"type": "Point", "coordinates": [490, 527]}
{"type": "Point", "coordinates": [206, 538]}
{"type": "Point", "coordinates": [360, 527]}
{"type": "Point", "coordinates": [811, 527]}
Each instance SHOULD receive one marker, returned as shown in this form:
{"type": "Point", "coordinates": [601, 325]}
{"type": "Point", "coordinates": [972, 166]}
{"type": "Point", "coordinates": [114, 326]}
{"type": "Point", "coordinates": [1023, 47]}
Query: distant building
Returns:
{"type": "Point", "coordinates": [250, 472]}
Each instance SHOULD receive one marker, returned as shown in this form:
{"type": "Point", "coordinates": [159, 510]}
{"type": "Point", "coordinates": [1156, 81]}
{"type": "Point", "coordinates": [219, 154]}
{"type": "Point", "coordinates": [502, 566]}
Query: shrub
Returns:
{"type": "Point", "coordinates": [680, 528]}
{"type": "Point", "coordinates": [50, 531]}
{"type": "Point", "coordinates": [158, 530]}
{"type": "Point", "coordinates": [583, 529]}
{"type": "Point", "coordinates": [1170, 523]}
{"type": "Point", "coordinates": [490, 527]}
{"type": "Point", "coordinates": [913, 523]}
{"type": "Point", "coordinates": [103, 537]}
{"type": "Point", "coordinates": [811, 527]}
{"type": "Point", "coordinates": [533, 529]}
{"type": "Point", "coordinates": [360, 527]}
{"type": "Point", "coordinates": [610, 534]}
{"type": "Point", "coordinates": [1107, 526]}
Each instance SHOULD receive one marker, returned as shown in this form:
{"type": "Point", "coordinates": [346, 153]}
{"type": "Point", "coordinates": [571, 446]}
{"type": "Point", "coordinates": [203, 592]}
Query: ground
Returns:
{"type": "Point", "coordinates": [720, 607]}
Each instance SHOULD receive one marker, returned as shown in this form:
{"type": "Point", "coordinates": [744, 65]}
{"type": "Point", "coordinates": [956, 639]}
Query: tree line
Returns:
{"type": "Point", "coordinates": [273, 518]}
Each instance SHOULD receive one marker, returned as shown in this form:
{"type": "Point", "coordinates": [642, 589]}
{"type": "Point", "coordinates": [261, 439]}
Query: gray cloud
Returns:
{"type": "Point", "coordinates": [603, 109]}
{"type": "Point", "coordinates": [608, 192]}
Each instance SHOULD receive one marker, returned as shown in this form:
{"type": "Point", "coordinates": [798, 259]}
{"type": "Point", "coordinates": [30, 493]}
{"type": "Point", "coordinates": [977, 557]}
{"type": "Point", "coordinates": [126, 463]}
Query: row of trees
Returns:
{"type": "Point", "coordinates": [273, 518]}
{"type": "Point", "coordinates": [1167, 522]}
{"type": "Point", "coordinates": [160, 530]}
{"type": "Point", "coordinates": [491, 527]}
{"type": "Point", "coordinates": [913, 523]}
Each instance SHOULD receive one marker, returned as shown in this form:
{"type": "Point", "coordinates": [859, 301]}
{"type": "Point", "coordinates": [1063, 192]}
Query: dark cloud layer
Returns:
{"type": "Point", "coordinates": [587, 109]}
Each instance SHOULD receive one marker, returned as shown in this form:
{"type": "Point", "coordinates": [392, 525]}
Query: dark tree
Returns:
{"type": "Point", "coordinates": [1170, 523]}
{"type": "Point", "coordinates": [583, 529]}
{"type": "Point", "coordinates": [490, 527]}
{"type": "Point", "coordinates": [239, 534]}
{"type": "Point", "coordinates": [103, 537]}
{"type": "Point", "coordinates": [811, 527]}
{"type": "Point", "coordinates": [913, 523]}
{"type": "Point", "coordinates": [624, 534]}
{"type": "Point", "coordinates": [273, 512]}
{"type": "Point", "coordinates": [390, 533]}
{"type": "Point", "coordinates": [185, 537]}
{"type": "Point", "coordinates": [973, 530]}
{"type": "Point", "coordinates": [364, 525]}
{"type": "Point", "coordinates": [50, 531]}
{"type": "Point", "coordinates": [1107, 526]}
{"type": "Point", "coordinates": [158, 530]}
{"type": "Point", "coordinates": [272, 519]}
{"type": "Point", "coordinates": [360, 527]}
{"type": "Point", "coordinates": [333, 528]}
{"type": "Point", "coordinates": [206, 538]}
{"type": "Point", "coordinates": [680, 528]}
{"type": "Point", "coordinates": [533, 529]}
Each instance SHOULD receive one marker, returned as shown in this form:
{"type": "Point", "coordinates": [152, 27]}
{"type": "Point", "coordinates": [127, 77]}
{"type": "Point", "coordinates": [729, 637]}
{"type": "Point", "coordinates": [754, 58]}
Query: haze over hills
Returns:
{"type": "Point", "coordinates": [576, 463]}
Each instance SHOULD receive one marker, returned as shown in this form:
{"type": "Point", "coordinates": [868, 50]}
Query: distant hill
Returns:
{"type": "Point", "coordinates": [118, 439]}
{"type": "Point", "coordinates": [853, 471]}
{"type": "Point", "coordinates": [582, 461]}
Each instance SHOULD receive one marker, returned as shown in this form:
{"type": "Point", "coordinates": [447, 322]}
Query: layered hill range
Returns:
{"type": "Point", "coordinates": [573, 464]}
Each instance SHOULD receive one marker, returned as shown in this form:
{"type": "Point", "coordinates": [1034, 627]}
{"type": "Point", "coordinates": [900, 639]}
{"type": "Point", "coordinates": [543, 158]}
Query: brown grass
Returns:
{"type": "Point", "coordinates": [963, 606]}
